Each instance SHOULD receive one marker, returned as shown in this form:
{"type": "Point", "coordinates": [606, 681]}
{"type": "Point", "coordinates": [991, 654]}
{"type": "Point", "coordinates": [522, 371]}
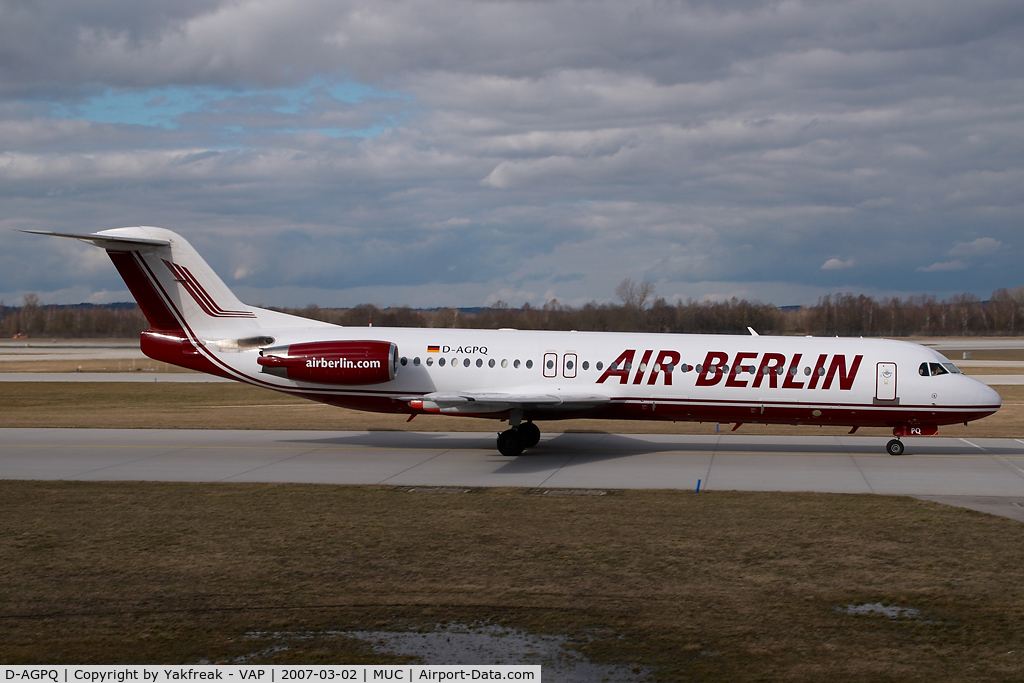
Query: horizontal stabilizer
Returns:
{"type": "Point", "coordinates": [109, 242]}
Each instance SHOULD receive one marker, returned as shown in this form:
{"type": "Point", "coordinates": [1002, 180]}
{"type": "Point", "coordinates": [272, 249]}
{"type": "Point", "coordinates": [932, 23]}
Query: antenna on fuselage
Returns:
{"type": "Point", "coordinates": [752, 332]}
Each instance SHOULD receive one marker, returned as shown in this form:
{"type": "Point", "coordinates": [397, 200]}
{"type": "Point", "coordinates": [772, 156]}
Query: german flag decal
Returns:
{"type": "Point", "coordinates": [433, 349]}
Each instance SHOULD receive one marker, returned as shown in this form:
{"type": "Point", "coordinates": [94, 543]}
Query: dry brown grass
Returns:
{"type": "Point", "coordinates": [716, 586]}
{"type": "Point", "coordinates": [238, 406]}
{"type": "Point", "coordinates": [89, 365]}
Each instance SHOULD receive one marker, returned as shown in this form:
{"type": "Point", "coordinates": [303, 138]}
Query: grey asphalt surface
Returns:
{"type": "Point", "coordinates": [982, 474]}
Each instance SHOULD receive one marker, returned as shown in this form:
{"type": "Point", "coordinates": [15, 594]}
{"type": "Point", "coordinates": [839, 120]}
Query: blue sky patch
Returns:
{"type": "Point", "coordinates": [164, 107]}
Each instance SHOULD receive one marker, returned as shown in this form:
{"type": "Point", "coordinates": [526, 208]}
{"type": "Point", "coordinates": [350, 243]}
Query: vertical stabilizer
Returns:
{"type": "Point", "coordinates": [175, 288]}
{"type": "Point", "coordinates": [185, 302]}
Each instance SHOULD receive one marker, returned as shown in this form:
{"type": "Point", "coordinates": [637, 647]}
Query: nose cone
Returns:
{"type": "Point", "coordinates": [980, 394]}
{"type": "Point", "coordinates": [993, 395]}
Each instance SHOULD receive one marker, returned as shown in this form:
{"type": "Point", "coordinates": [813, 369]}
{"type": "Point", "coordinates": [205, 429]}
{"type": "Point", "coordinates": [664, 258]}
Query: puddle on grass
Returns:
{"type": "Point", "coordinates": [486, 644]}
{"type": "Point", "coordinates": [891, 611]}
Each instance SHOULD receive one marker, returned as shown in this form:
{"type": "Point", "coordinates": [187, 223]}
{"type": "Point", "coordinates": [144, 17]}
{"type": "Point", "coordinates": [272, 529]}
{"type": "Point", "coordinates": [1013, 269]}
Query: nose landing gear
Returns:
{"type": "Point", "coordinates": [894, 447]}
{"type": "Point", "coordinates": [514, 441]}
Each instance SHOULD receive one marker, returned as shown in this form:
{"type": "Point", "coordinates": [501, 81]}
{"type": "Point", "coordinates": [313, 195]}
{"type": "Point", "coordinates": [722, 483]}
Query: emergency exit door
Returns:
{"type": "Point", "coordinates": [550, 364]}
{"type": "Point", "coordinates": [885, 382]}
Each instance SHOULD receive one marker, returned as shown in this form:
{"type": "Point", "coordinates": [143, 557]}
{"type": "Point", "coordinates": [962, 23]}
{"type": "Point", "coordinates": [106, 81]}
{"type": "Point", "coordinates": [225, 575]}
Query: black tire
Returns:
{"type": "Point", "coordinates": [509, 443]}
{"type": "Point", "coordinates": [530, 434]}
{"type": "Point", "coordinates": [894, 447]}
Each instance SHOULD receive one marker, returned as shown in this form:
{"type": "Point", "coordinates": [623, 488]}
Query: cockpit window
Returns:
{"type": "Point", "coordinates": [952, 368]}
{"type": "Point", "coordinates": [937, 369]}
{"type": "Point", "coordinates": [923, 370]}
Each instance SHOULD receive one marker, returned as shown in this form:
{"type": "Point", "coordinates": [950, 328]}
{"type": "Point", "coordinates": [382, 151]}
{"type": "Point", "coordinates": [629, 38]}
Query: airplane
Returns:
{"type": "Point", "coordinates": [523, 376]}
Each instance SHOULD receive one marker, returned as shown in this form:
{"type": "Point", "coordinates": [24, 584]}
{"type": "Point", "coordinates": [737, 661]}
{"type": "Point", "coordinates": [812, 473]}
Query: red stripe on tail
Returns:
{"type": "Point", "coordinates": [159, 316]}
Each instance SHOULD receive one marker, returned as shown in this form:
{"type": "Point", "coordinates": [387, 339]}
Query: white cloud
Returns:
{"type": "Point", "coordinates": [943, 266]}
{"type": "Point", "coordinates": [837, 264]}
{"type": "Point", "coordinates": [982, 246]}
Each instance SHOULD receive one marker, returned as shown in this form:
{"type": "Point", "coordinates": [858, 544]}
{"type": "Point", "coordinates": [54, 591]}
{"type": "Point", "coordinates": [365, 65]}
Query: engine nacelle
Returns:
{"type": "Point", "coordinates": [351, 363]}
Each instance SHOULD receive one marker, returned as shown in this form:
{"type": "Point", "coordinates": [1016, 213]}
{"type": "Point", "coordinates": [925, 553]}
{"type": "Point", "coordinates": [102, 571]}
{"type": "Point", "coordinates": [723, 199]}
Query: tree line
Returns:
{"type": "Point", "coordinates": [640, 310]}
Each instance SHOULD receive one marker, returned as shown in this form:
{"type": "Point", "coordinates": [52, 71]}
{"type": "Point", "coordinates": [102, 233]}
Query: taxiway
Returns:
{"type": "Point", "coordinates": [983, 474]}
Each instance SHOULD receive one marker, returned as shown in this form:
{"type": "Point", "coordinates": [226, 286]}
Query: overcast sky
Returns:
{"type": "Point", "coordinates": [458, 153]}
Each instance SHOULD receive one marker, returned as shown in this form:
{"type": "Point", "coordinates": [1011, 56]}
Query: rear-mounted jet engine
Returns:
{"type": "Point", "coordinates": [350, 363]}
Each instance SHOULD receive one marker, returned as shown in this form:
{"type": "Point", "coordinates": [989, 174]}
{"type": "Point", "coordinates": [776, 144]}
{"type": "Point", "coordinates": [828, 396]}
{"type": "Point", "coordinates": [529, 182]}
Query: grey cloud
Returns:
{"type": "Point", "coordinates": [269, 43]}
{"type": "Point", "coordinates": [687, 143]}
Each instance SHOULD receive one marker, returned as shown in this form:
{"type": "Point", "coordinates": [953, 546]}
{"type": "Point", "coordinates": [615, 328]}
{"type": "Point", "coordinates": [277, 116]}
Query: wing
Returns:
{"type": "Point", "coordinates": [493, 402]}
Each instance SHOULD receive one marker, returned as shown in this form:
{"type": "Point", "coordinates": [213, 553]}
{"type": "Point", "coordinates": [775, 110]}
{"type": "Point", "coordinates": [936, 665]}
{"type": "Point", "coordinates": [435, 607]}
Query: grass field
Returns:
{"type": "Point", "coordinates": [90, 365]}
{"type": "Point", "coordinates": [714, 587]}
{"type": "Point", "coordinates": [239, 406]}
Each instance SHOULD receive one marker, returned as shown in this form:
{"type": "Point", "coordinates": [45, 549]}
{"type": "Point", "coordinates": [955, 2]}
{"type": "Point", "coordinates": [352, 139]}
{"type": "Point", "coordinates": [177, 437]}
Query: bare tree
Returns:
{"type": "Point", "coordinates": [633, 294]}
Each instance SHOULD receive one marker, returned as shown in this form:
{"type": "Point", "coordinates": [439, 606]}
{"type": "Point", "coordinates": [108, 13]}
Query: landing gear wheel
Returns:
{"type": "Point", "coordinates": [510, 443]}
{"type": "Point", "coordinates": [530, 434]}
{"type": "Point", "coordinates": [894, 447]}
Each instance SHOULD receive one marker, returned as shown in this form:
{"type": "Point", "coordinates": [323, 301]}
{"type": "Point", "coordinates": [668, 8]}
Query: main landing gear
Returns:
{"type": "Point", "coordinates": [514, 441]}
{"type": "Point", "coordinates": [894, 447]}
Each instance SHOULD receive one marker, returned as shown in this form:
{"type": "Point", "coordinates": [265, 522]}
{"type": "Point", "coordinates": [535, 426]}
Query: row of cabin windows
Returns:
{"type": "Point", "coordinates": [441, 362]}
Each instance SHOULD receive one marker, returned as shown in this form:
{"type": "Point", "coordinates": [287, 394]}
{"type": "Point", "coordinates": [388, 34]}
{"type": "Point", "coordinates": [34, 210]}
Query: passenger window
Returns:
{"type": "Point", "coordinates": [430, 361]}
{"type": "Point", "coordinates": [416, 360]}
{"type": "Point", "coordinates": [550, 364]}
{"type": "Point", "coordinates": [600, 365]}
{"type": "Point", "coordinates": [404, 360]}
{"type": "Point", "coordinates": [568, 365]}
{"type": "Point", "coordinates": [937, 369]}
{"type": "Point", "coordinates": [440, 362]}
{"type": "Point", "coordinates": [490, 363]}
{"type": "Point", "coordinates": [586, 365]}
{"type": "Point", "coordinates": [479, 362]}
{"type": "Point", "coordinates": [516, 363]}
{"type": "Point", "coordinates": [529, 364]}
{"type": "Point", "coordinates": [923, 370]}
{"type": "Point", "coordinates": [504, 362]}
